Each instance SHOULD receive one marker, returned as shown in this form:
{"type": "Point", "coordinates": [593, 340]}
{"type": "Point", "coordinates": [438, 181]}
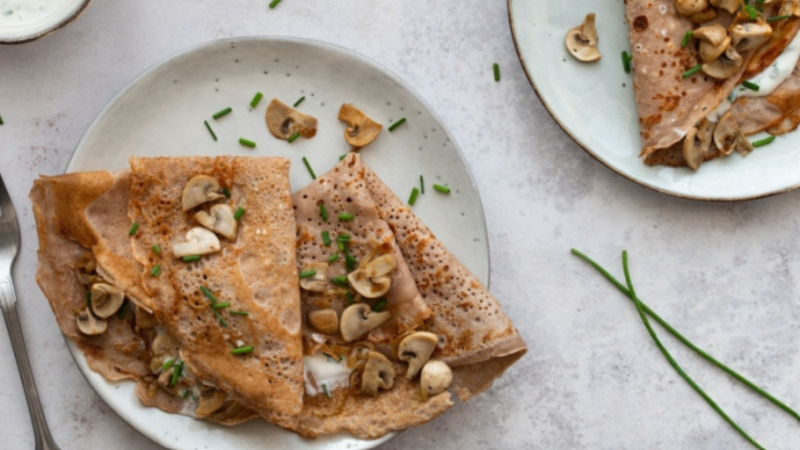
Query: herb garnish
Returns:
{"type": "Point", "coordinates": [751, 85]}
{"type": "Point", "coordinates": [769, 19]}
{"type": "Point", "coordinates": [397, 124]}
{"type": "Point", "coordinates": [346, 217]}
{"type": "Point", "coordinates": [239, 313]}
{"type": "Point", "coordinates": [441, 188]}
{"type": "Point", "coordinates": [326, 238]}
{"type": "Point", "coordinates": [226, 192]}
{"type": "Point", "coordinates": [134, 227]}
{"type": "Point", "coordinates": [692, 71]}
{"type": "Point", "coordinates": [155, 270]}
{"type": "Point", "coordinates": [310, 170]}
{"type": "Point", "coordinates": [156, 249]}
{"type": "Point", "coordinates": [686, 37]}
{"type": "Point", "coordinates": [190, 258]}
{"type": "Point", "coordinates": [274, 3]}
{"type": "Point", "coordinates": [242, 350]}
{"type": "Point", "coordinates": [341, 280]}
{"type": "Point", "coordinates": [763, 142]}
{"type": "Point", "coordinates": [221, 113]}
{"type": "Point", "coordinates": [247, 142]}
{"type": "Point", "coordinates": [308, 273]}
{"type": "Point", "coordinates": [294, 136]}
{"type": "Point", "coordinates": [496, 69]}
{"type": "Point", "coordinates": [208, 127]}
{"type": "Point", "coordinates": [239, 213]}
{"type": "Point", "coordinates": [379, 306]}
{"type": "Point", "coordinates": [333, 257]}
{"type": "Point", "coordinates": [323, 212]}
{"type": "Point", "coordinates": [413, 198]}
{"type": "Point", "coordinates": [256, 99]}
{"type": "Point", "coordinates": [300, 100]}
{"type": "Point", "coordinates": [626, 61]}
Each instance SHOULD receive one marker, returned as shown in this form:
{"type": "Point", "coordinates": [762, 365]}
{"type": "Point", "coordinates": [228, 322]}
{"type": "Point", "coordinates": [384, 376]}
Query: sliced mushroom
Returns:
{"type": "Point", "coordinates": [728, 137]}
{"type": "Point", "coordinates": [220, 221]}
{"type": "Point", "coordinates": [750, 35]}
{"type": "Point", "coordinates": [713, 39]}
{"type": "Point", "coordinates": [416, 349]}
{"type": "Point", "coordinates": [324, 320]}
{"type": "Point", "coordinates": [380, 266]}
{"type": "Point", "coordinates": [436, 377]}
{"type": "Point", "coordinates": [200, 189]}
{"type": "Point", "coordinates": [689, 7]}
{"type": "Point", "coordinates": [372, 280]}
{"type": "Point", "coordinates": [725, 66]}
{"type": "Point", "coordinates": [728, 5]}
{"type": "Point", "coordinates": [316, 282]}
{"type": "Point", "coordinates": [283, 121]}
{"type": "Point", "coordinates": [378, 374]}
{"type": "Point", "coordinates": [581, 41]}
{"type": "Point", "coordinates": [90, 325]}
{"type": "Point", "coordinates": [697, 143]}
{"type": "Point", "coordinates": [359, 319]}
{"type": "Point", "coordinates": [210, 401]}
{"type": "Point", "coordinates": [163, 348]}
{"type": "Point", "coordinates": [106, 300]}
{"type": "Point", "coordinates": [199, 241]}
{"type": "Point", "coordinates": [361, 130]}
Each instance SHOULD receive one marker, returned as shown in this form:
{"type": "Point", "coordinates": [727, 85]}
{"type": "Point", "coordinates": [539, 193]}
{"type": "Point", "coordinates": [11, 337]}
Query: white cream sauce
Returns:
{"type": "Point", "coordinates": [20, 12]}
{"type": "Point", "coordinates": [325, 371]}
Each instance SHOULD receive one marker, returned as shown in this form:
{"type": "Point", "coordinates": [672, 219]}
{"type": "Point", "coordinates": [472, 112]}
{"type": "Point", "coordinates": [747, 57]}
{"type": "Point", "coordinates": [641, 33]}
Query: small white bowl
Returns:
{"type": "Point", "coordinates": [26, 20]}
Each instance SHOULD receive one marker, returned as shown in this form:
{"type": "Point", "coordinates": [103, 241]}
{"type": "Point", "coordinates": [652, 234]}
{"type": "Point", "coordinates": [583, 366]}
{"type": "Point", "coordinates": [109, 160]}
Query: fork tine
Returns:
{"type": "Point", "coordinates": [6, 207]}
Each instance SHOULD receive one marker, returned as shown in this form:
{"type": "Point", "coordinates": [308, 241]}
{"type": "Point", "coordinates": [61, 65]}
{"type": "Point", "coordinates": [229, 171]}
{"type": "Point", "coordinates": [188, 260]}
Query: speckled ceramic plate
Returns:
{"type": "Point", "coordinates": [162, 113]}
{"type": "Point", "coordinates": [594, 104]}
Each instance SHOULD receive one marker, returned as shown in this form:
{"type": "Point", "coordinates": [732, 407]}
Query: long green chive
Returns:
{"type": "Point", "coordinates": [413, 197]}
{"type": "Point", "coordinates": [346, 217]}
{"type": "Point", "coordinates": [379, 306]}
{"type": "Point", "coordinates": [208, 127]}
{"type": "Point", "coordinates": [239, 213]}
{"type": "Point", "coordinates": [769, 19]}
{"type": "Point", "coordinates": [294, 136]}
{"type": "Point", "coordinates": [496, 68]}
{"type": "Point", "coordinates": [123, 310]}
{"type": "Point", "coordinates": [156, 249]}
{"type": "Point", "coordinates": [191, 258]}
{"type": "Point", "coordinates": [441, 188]}
{"type": "Point", "coordinates": [155, 270]}
{"type": "Point", "coordinates": [751, 85]}
{"type": "Point", "coordinates": [672, 361]}
{"type": "Point", "coordinates": [308, 273]}
{"type": "Point", "coordinates": [341, 280]}
{"type": "Point", "coordinates": [310, 170]}
{"type": "Point", "coordinates": [226, 192]}
{"type": "Point", "coordinates": [686, 37]}
{"type": "Point", "coordinates": [167, 364]}
{"type": "Point", "coordinates": [89, 299]}
{"type": "Point", "coordinates": [343, 237]}
{"type": "Point", "coordinates": [239, 313]}
{"type": "Point", "coordinates": [327, 392]}
{"type": "Point", "coordinates": [692, 71]}
{"type": "Point", "coordinates": [333, 258]}
{"type": "Point", "coordinates": [177, 370]}
{"type": "Point", "coordinates": [247, 142]}
{"type": "Point", "coordinates": [134, 227]}
{"type": "Point", "coordinates": [300, 100]}
{"type": "Point", "coordinates": [421, 184]}
{"type": "Point", "coordinates": [397, 124]}
{"type": "Point", "coordinates": [326, 238]}
{"type": "Point", "coordinates": [686, 341]}
{"type": "Point", "coordinates": [350, 262]}
{"type": "Point", "coordinates": [323, 212]}
{"type": "Point", "coordinates": [220, 305]}
{"type": "Point", "coordinates": [349, 298]}
{"type": "Point", "coordinates": [274, 3]}
{"type": "Point", "coordinates": [763, 142]}
{"type": "Point", "coordinates": [208, 294]}
{"type": "Point", "coordinates": [224, 112]}
{"type": "Point", "coordinates": [242, 350]}
{"type": "Point", "coordinates": [256, 99]}
{"type": "Point", "coordinates": [626, 62]}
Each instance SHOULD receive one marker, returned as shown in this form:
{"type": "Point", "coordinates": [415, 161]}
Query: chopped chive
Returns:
{"type": "Point", "coordinates": [421, 184]}
{"type": "Point", "coordinates": [346, 217]}
{"type": "Point", "coordinates": [191, 258]}
{"type": "Point", "coordinates": [208, 127]}
{"type": "Point", "coordinates": [349, 261]}
{"type": "Point", "coordinates": [379, 306]}
{"type": "Point", "coordinates": [155, 270]}
{"type": "Point", "coordinates": [274, 3]}
{"type": "Point", "coordinates": [167, 364]}
{"type": "Point", "coordinates": [327, 392]}
{"type": "Point", "coordinates": [496, 69]}
{"type": "Point", "coordinates": [134, 227]}
{"type": "Point", "coordinates": [294, 136]}
{"type": "Point", "coordinates": [184, 393]}
{"type": "Point", "coordinates": [256, 99]}
{"type": "Point", "coordinates": [343, 237]}
{"type": "Point", "coordinates": [219, 114]}
{"type": "Point", "coordinates": [692, 71]}
{"type": "Point", "coordinates": [156, 249]}
{"type": "Point", "coordinates": [310, 170]}
{"type": "Point", "coordinates": [308, 273]}
{"type": "Point", "coordinates": [89, 299]}
{"type": "Point", "coordinates": [247, 142]}
{"type": "Point", "coordinates": [763, 142]}
{"type": "Point", "coordinates": [239, 213]}
{"type": "Point", "coordinates": [300, 100]}
{"type": "Point", "coordinates": [626, 62]}
{"type": "Point", "coordinates": [340, 245]}
{"type": "Point", "coordinates": [177, 370]}
{"type": "Point", "coordinates": [123, 310]}
{"type": "Point", "coordinates": [769, 19]}
{"type": "Point", "coordinates": [751, 85]}
{"type": "Point", "coordinates": [341, 280]}
{"type": "Point", "coordinates": [239, 313]}
{"type": "Point", "coordinates": [1, 120]}
{"type": "Point", "coordinates": [219, 317]}
{"type": "Point", "coordinates": [323, 212]}
{"type": "Point", "coordinates": [342, 157]}
{"type": "Point", "coordinates": [349, 297]}
{"type": "Point", "coordinates": [413, 198]}
{"type": "Point", "coordinates": [333, 258]}
{"type": "Point", "coordinates": [226, 192]}
{"type": "Point", "coordinates": [751, 11]}
{"type": "Point", "coordinates": [688, 35]}
{"type": "Point", "coordinates": [242, 350]}
{"type": "Point", "coordinates": [208, 294]}
{"type": "Point", "coordinates": [441, 188]}
{"type": "Point", "coordinates": [220, 305]}
{"type": "Point", "coordinates": [326, 238]}
{"type": "Point", "coordinates": [397, 124]}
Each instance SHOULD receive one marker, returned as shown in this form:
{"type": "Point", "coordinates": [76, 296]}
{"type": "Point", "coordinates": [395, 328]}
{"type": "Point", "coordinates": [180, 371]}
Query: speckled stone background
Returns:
{"type": "Point", "coordinates": [725, 274]}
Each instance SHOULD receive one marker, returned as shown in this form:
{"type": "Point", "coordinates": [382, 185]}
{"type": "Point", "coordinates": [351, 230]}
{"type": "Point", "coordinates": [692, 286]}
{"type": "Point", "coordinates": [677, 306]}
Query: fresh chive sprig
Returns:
{"type": "Point", "coordinates": [397, 124]}
{"type": "Point", "coordinates": [413, 198]}
{"type": "Point", "coordinates": [326, 238]}
{"type": "Point", "coordinates": [441, 188]}
{"type": "Point", "coordinates": [763, 142]}
{"type": "Point", "coordinates": [626, 61]}
{"type": "Point", "coordinates": [247, 142]}
{"type": "Point", "coordinates": [769, 19]}
{"type": "Point", "coordinates": [346, 217]}
{"type": "Point", "coordinates": [222, 113]}
{"type": "Point", "coordinates": [134, 227]}
{"type": "Point", "coordinates": [155, 270]}
{"type": "Point", "coordinates": [299, 100]}
{"type": "Point", "coordinates": [257, 98]}
{"type": "Point", "coordinates": [191, 258]}
{"type": "Point", "coordinates": [274, 3]}
{"type": "Point", "coordinates": [323, 212]}
{"type": "Point", "coordinates": [308, 273]}
{"type": "Point", "coordinates": [308, 167]}
{"type": "Point", "coordinates": [293, 137]}
{"type": "Point", "coordinates": [692, 71]}
{"type": "Point", "coordinates": [242, 350]}
{"type": "Point", "coordinates": [496, 70]}
{"type": "Point", "coordinates": [750, 85]}
{"type": "Point", "coordinates": [208, 127]}
{"type": "Point", "coordinates": [686, 37]}
{"type": "Point", "coordinates": [239, 213]}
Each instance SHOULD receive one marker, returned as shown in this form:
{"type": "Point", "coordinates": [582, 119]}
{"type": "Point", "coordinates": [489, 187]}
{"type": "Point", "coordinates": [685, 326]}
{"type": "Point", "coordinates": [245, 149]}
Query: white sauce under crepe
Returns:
{"type": "Point", "coordinates": [20, 12]}
{"type": "Point", "coordinates": [325, 370]}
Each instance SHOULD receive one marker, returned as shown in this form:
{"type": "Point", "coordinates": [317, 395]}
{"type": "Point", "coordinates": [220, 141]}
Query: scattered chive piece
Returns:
{"type": "Point", "coordinates": [333, 257]}
{"type": "Point", "coordinates": [346, 217]}
{"type": "Point", "coordinates": [686, 37]}
{"type": "Point", "coordinates": [421, 184]}
{"type": "Point", "coordinates": [134, 227]}
{"type": "Point", "coordinates": [239, 213]}
{"type": "Point", "coordinates": [219, 317]}
{"type": "Point", "coordinates": [308, 273]}
{"type": "Point", "coordinates": [326, 238]}
{"type": "Point", "coordinates": [341, 280]}
{"type": "Point", "coordinates": [156, 249]}
{"type": "Point", "coordinates": [208, 294]}
{"type": "Point", "coordinates": [123, 310]}
{"type": "Point", "coordinates": [769, 19]}
{"type": "Point", "coordinates": [323, 212]}
{"type": "Point", "coordinates": [274, 3]}
{"type": "Point", "coordinates": [184, 393]}
{"type": "Point", "coordinates": [349, 297]}
{"type": "Point", "coordinates": [247, 142]}
{"type": "Point", "coordinates": [343, 157]}
{"type": "Point", "coordinates": [177, 370]}
{"type": "Point", "coordinates": [442, 189]}
{"type": "Point", "coordinates": [242, 350]}
{"type": "Point", "coordinates": [343, 237]}
{"type": "Point", "coordinates": [413, 198]}
{"type": "Point", "coordinates": [496, 68]}
{"type": "Point", "coordinates": [397, 124]}
{"type": "Point", "coordinates": [226, 192]}
{"type": "Point", "coordinates": [751, 85]}
{"type": "Point", "coordinates": [191, 258]}
{"type": "Point", "coordinates": [310, 170]}
{"type": "Point", "coordinates": [1, 120]}
{"type": "Point", "coordinates": [239, 313]}
{"type": "Point", "coordinates": [208, 127]}
{"type": "Point", "coordinates": [89, 299]}
{"type": "Point", "coordinates": [350, 262]}
{"type": "Point", "coordinates": [379, 306]}
{"type": "Point", "coordinates": [219, 114]}
{"type": "Point", "coordinates": [155, 270]}
{"type": "Point", "coordinates": [327, 392]}
{"type": "Point", "coordinates": [626, 62]}
{"type": "Point", "coordinates": [220, 305]}
{"type": "Point", "coordinates": [751, 11]}
{"type": "Point", "coordinates": [692, 71]}
{"type": "Point", "coordinates": [256, 99]}
{"type": "Point", "coordinates": [763, 142]}
{"type": "Point", "coordinates": [300, 100]}
{"type": "Point", "coordinates": [340, 245]}
{"type": "Point", "coordinates": [167, 364]}
{"type": "Point", "coordinates": [294, 136]}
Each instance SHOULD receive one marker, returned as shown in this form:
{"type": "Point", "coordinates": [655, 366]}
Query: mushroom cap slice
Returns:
{"type": "Point", "coordinates": [689, 7]}
{"type": "Point", "coordinates": [106, 300]}
{"type": "Point", "coordinates": [697, 143]}
{"type": "Point", "coordinates": [199, 241]}
{"type": "Point", "coordinates": [436, 377]}
{"type": "Point", "coordinates": [200, 189]}
{"type": "Point", "coordinates": [90, 325]}
{"type": "Point", "coordinates": [358, 319]}
{"type": "Point", "coordinates": [728, 137]}
{"type": "Point", "coordinates": [713, 34]}
{"type": "Point", "coordinates": [709, 52]}
{"type": "Point", "coordinates": [728, 5]}
{"type": "Point", "coordinates": [325, 321]}
{"type": "Point", "coordinates": [378, 373]}
{"type": "Point", "coordinates": [380, 266]}
{"type": "Point", "coordinates": [361, 130]}
{"type": "Point", "coordinates": [725, 66]}
{"type": "Point", "coordinates": [283, 121]}
{"type": "Point", "coordinates": [750, 35]}
{"type": "Point", "coordinates": [163, 348]}
{"type": "Point", "coordinates": [210, 401]}
{"type": "Point", "coordinates": [416, 349]}
{"type": "Point", "coordinates": [581, 41]}
{"type": "Point", "coordinates": [369, 287]}
{"type": "Point", "coordinates": [220, 220]}
{"type": "Point", "coordinates": [318, 281]}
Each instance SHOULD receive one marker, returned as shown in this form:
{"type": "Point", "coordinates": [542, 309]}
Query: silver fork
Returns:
{"type": "Point", "coordinates": [9, 245]}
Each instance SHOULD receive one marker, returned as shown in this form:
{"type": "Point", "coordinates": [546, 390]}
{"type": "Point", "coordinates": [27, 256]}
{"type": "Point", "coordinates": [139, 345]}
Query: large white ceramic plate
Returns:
{"type": "Point", "coordinates": [595, 106]}
{"type": "Point", "coordinates": [162, 112]}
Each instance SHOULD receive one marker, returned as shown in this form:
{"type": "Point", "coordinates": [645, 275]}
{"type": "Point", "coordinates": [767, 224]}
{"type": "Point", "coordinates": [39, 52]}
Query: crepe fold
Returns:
{"type": "Point", "coordinates": [255, 273]}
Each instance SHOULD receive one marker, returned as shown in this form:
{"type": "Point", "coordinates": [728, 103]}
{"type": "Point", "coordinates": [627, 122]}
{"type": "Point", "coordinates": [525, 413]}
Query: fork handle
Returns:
{"type": "Point", "coordinates": [8, 300]}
